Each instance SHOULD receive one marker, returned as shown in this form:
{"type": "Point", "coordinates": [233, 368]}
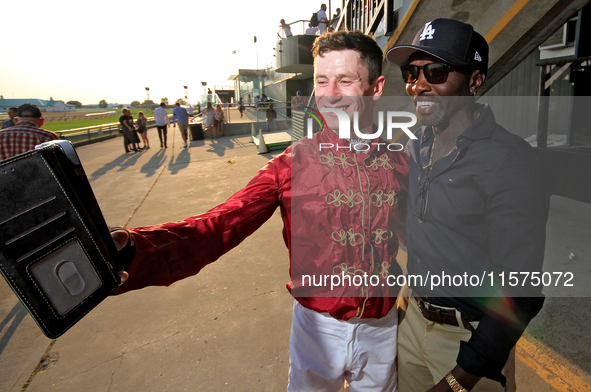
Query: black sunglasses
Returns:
{"type": "Point", "coordinates": [435, 73]}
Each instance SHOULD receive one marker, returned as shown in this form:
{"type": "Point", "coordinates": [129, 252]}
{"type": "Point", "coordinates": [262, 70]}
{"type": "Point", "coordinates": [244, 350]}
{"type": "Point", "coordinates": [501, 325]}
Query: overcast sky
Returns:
{"type": "Point", "coordinates": [88, 51]}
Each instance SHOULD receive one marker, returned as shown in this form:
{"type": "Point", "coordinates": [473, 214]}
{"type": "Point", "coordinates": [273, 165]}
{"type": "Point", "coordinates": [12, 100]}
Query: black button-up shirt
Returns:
{"type": "Point", "coordinates": [486, 211]}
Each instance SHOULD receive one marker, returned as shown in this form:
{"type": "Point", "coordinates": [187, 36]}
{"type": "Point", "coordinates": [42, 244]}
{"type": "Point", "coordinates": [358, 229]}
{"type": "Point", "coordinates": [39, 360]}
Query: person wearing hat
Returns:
{"type": "Point", "coordinates": [26, 134]}
{"type": "Point", "coordinates": [477, 203]}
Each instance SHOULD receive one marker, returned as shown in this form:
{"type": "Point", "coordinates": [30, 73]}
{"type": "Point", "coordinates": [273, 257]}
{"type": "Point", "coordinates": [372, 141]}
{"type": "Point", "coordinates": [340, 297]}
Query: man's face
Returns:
{"type": "Point", "coordinates": [11, 114]}
{"type": "Point", "coordinates": [341, 82]}
{"type": "Point", "coordinates": [431, 106]}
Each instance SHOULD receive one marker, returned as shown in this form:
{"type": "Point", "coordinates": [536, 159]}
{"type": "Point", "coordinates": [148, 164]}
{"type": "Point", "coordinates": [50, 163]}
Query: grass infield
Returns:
{"type": "Point", "coordinates": [81, 121]}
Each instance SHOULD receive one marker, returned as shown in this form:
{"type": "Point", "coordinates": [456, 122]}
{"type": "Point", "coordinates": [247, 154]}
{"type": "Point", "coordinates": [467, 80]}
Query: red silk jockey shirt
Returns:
{"type": "Point", "coordinates": [343, 214]}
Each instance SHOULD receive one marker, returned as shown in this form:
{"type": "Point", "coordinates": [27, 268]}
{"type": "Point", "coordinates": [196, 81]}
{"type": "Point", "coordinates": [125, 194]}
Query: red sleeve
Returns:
{"type": "Point", "coordinates": [169, 252]}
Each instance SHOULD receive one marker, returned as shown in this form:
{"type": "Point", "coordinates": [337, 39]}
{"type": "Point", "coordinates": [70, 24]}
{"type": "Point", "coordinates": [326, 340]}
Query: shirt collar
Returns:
{"type": "Point", "coordinates": [28, 122]}
{"type": "Point", "coordinates": [483, 126]}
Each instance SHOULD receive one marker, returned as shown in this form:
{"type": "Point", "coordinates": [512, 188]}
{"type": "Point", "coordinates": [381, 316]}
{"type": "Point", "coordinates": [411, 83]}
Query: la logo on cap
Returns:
{"type": "Point", "coordinates": [428, 31]}
{"type": "Point", "coordinates": [477, 57]}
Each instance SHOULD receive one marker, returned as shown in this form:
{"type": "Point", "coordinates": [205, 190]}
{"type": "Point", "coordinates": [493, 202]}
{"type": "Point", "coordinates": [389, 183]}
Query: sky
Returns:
{"type": "Point", "coordinates": [87, 51]}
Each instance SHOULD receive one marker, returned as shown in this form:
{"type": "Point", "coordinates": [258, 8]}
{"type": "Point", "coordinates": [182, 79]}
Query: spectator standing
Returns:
{"type": "Point", "coordinates": [136, 137]}
{"type": "Point", "coordinates": [241, 107]}
{"type": "Point", "coordinates": [218, 120]}
{"type": "Point", "coordinates": [322, 19]}
{"type": "Point", "coordinates": [286, 28]}
{"type": "Point", "coordinates": [180, 115]}
{"type": "Point", "coordinates": [12, 118]}
{"type": "Point", "coordinates": [271, 115]}
{"type": "Point", "coordinates": [142, 128]}
{"type": "Point", "coordinates": [335, 19]}
{"type": "Point", "coordinates": [126, 122]}
{"type": "Point", "coordinates": [311, 30]}
{"type": "Point", "coordinates": [249, 100]}
{"type": "Point", "coordinates": [208, 115]}
{"type": "Point", "coordinates": [25, 134]}
{"type": "Point", "coordinates": [162, 121]}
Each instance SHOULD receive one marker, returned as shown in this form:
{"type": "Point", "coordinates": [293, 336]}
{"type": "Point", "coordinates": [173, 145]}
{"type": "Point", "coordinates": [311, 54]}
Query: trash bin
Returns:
{"type": "Point", "coordinates": [196, 131]}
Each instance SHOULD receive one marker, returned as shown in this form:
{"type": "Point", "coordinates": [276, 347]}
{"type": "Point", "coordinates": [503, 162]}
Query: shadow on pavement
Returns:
{"type": "Point", "coordinates": [17, 314]}
{"type": "Point", "coordinates": [182, 161]}
{"type": "Point", "coordinates": [154, 163]}
{"type": "Point", "coordinates": [123, 161]}
{"type": "Point", "coordinates": [218, 147]}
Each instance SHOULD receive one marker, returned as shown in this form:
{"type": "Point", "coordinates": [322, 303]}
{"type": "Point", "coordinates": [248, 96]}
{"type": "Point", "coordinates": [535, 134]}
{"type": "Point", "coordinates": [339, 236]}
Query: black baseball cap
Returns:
{"type": "Point", "coordinates": [27, 107]}
{"type": "Point", "coordinates": [450, 40]}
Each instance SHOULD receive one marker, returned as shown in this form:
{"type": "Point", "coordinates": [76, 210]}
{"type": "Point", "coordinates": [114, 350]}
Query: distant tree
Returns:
{"type": "Point", "coordinates": [181, 101]}
{"type": "Point", "coordinates": [165, 100]}
{"type": "Point", "coordinates": [148, 102]}
{"type": "Point", "coordinates": [103, 104]}
{"type": "Point", "coordinates": [135, 103]}
{"type": "Point", "coordinates": [78, 104]}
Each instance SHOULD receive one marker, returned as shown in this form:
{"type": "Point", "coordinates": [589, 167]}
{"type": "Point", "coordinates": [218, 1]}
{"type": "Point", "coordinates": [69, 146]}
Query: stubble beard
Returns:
{"type": "Point", "coordinates": [433, 120]}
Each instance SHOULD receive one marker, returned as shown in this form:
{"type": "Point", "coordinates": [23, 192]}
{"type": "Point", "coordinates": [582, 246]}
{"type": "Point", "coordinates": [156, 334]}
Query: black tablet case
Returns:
{"type": "Point", "coordinates": [56, 252]}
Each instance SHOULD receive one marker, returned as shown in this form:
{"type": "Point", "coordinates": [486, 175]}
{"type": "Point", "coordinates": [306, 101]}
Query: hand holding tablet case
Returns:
{"type": "Point", "coordinates": [56, 252]}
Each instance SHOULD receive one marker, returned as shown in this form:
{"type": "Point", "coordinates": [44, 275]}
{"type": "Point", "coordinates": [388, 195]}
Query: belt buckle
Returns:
{"type": "Point", "coordinates": [425, 308]}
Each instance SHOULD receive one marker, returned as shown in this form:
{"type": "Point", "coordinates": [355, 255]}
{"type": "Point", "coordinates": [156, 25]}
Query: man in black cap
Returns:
{"type": "Point", "coordinates": [477, 203]}
{"type": "Point", "coordinates": [26, 134]}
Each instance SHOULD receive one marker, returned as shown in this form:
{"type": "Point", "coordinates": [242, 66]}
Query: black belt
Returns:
{"type": "Point", "coordinates": [441, 315]}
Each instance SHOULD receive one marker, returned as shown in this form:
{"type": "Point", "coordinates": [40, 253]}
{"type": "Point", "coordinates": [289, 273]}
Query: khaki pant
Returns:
{"type": "Point", "coordinates": [428, 350]}
{"type": "Point", "coordinates": [183, 126]}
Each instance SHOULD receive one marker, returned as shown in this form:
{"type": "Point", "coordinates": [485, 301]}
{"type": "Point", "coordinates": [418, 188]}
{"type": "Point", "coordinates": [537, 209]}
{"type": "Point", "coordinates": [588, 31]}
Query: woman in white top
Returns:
{"type": "Point", "coordinates": [208, 115]}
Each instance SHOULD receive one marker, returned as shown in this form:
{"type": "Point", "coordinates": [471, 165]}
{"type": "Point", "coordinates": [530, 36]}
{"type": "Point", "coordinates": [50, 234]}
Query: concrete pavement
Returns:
{"type": "Point", "coordinates": [228, 327]}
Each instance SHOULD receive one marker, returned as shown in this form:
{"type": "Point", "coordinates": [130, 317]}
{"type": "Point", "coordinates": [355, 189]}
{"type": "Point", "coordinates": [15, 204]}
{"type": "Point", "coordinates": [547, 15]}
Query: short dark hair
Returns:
{"type": "Point", "coordinates": [13, 108]}
{"type": "Point", "coordinates": [369, 51]}
{"type": "Point", "coordinates": [162, 104]}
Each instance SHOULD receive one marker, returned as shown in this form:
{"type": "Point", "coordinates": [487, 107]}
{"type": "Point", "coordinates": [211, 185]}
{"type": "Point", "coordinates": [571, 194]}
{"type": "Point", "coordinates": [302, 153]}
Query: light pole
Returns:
{"type": "Point", "coordinates": [147, 93]}
{"type": "Point", "coordinates": [186, 94]}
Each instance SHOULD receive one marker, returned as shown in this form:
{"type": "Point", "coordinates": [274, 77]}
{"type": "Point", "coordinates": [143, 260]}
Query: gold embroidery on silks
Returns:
{"type": "Point", "coordinates": [381, 235]}
{"type": "Point", "coordinates": [347, 270]}
{"type": "Point", "coordinates": [382, 161]}
{"type": "Point", "coordinates": [337, 198]}
{"type": "Point", "coordinates": [380, 197]}
{"type": "Point", "coordinates": [385, 268]}
{"type": "Point", "coordinates": [342, 160]}
{"type": "Point", "coordinates": [341, 237]}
